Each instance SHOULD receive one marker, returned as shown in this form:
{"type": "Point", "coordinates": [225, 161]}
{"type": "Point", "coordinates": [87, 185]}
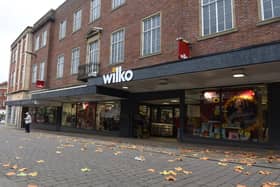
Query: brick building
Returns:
{"type": "Point", "coordinates": [196, 69]}
{"type": "Point", "coordinates": [3, 98]}
{"type": "Point", "coordinates": [19, 75]}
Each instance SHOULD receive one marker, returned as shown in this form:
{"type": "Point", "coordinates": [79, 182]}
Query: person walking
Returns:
{"type": "Point", "coordinates": [28, 121]}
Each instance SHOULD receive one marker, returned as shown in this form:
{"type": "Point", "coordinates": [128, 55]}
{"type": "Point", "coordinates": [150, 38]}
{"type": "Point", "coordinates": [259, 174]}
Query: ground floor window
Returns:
{"type": "Point", "coordinates": [44, 115]}
{"type": "Point", "coordinates": [103, 116]}
{"type": "Point", "coordinates": [69, 115]}
{"type": "Point", "coordinates": [108, 116]}
{"type": "Point", "coordinates": [228, 113]}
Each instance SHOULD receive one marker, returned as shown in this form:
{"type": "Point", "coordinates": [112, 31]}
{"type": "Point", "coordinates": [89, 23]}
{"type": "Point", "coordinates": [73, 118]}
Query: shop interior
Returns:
{"type": "Point", "coordinates": [236, 114]}
{"type": "Point", "coordinates": [158, 118]}
{"type": "Point", "coordinates": [232, 113]}
{"type": "Point", "coordinates": [103, 116]}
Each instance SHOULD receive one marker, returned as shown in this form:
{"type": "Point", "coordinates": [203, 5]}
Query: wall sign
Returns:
{"type": "Point", "coordinates": [40, 84]}
{"type": "Point", "coordinates": [183, 49]}
{"type": "Point", "coordinates": [118, 76]}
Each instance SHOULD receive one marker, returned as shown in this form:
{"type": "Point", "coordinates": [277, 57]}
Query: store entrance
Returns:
{"type": "Point", "coordinates": [158, 118]}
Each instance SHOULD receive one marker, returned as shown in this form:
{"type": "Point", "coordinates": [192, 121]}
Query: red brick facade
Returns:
{"type": "Point", "coordinates": [179, 18]}
{"type": "Point", "coordinates": [3, 95]}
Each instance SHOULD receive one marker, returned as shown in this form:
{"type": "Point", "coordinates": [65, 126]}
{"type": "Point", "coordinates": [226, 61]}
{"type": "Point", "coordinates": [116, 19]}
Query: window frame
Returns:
{"type": "Point", "coordinates": [217, 23]}
{"type": "Point", "coordinates": [111, 47]}
{"type": "Point", "coordinates": [115, 5]}
{"type": "Point", "coordinates": [44, 38]}
{"type": "Point", "coordinates": [37, 43]}
{"type": "Point", "coordinates": [77, 20]}
{"type": "Point", "coordinates": [60, 66]}
{"type": "Point", "coordinates": [34, 73]}
{"type": "Point", "coordinates": [142, 35]}
{"type": "Point", "coordinates": [62, 29]}
{"type": "Point", "coordinates": [42, 71]}
{"type": "Point", "coordinates": [98, 7]}
{"type": "Point", "coordinates": [272, 11]}
{"type": "Point", "coordinates": [74, 64]}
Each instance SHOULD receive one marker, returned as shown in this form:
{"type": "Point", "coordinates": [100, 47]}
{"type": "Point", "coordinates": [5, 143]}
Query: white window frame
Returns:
{"type": "Point", "coordinates": [60, 66]}
{"type": "Point", "coordinates": [117, 3]}
{"type": "Point", "coordinates": [62, 29]}
{"type": "Point", "coordinates": [44, 38]}
{"type": "Point", "coordinates": [150, 30]}
{"type": "Point", "coordinates": [75, 60]}
{"type": "Point", "coordinates": [119, 58]}
{"type": "Point", "coordinates": [34, 73]}
{"type": "Point", "coordinates": [93, 53]}
{"type": "Point", "coordinates": [216, 14]}
{"type": "Point", "coordinates": [42, 71]}
{"type": "Point", "coordinates": [272, 10]}
{"type": "Point", "coordinates": [37, 43]}
{"type": "Point", "coordinates": [95, 10]}
{"type": "Point", "coordinates": [77, 20]}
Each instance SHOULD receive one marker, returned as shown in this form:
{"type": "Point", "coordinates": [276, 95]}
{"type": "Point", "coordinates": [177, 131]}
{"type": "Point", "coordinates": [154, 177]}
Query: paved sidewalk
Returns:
{"type": "Point", "coordinates": [56, 159]}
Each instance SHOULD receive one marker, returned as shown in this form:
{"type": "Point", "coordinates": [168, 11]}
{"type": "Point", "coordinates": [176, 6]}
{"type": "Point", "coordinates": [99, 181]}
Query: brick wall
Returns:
{"type": "Point", "coordinates": [179, 18]}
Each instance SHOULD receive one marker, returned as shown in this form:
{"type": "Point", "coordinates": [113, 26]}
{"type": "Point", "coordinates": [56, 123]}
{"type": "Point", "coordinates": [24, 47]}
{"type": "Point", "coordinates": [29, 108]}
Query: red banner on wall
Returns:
{"type": "Point", "coordinates": [40, 84]}
{"type": "Point", "coordinates": [183, 49]}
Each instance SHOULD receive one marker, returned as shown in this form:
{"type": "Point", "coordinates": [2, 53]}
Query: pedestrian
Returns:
{"type": "Point", "coordinates": [28, 121]}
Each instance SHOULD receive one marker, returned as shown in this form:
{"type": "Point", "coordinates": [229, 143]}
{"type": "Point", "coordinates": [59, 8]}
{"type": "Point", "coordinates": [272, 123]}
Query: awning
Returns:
{"type": "Point", "coordinates": [31, 102]}
{"type": "Point", "coordinates": [79, 93]}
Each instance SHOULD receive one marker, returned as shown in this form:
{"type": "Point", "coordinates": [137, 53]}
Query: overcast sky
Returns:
{"type": "Point", "coordinates": [15, 16]}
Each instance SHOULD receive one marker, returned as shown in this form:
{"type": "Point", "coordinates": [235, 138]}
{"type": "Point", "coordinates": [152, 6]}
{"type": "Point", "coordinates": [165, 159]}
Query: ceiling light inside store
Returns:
{"type": "Point", "coordinates": [238, 73]}
{"type": "Point", "coordinates": [165, 103]}
{"type": "Point", "coordinates": [174, 101]}
{"type": "Point", "coordinates": [125, 87]}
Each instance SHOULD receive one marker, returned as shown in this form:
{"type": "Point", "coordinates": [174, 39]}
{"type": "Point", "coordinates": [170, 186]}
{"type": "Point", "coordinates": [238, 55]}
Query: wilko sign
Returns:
{"type": "Point", "coordinates": [118, 76]}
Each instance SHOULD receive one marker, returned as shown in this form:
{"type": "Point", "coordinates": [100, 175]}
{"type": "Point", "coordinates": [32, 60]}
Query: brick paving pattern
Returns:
{"type": "Point", "coordinates": [112, 162]}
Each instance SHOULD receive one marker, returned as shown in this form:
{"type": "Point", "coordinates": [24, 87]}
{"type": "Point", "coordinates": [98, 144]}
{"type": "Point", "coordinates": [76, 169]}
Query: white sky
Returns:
{"type": "Point", "coordinates": [15, 16]}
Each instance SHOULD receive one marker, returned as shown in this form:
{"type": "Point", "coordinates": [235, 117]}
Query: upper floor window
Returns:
{"type": "Point", "coordinates": [75, 61]}
{"type": "Point", "coordinates": [93, 52]}
{"type": "Point", "coordinates": [95, 7]}
{"type": "Point", "coordinates": [62, 29]}
{"type": "Point", "coordinates": [77, 20]}
{"type": "Point", "coordinates": [42, 71]}
{"type": "Point", "coordinates": [34, 73]}
{"type": "Point", "coordinates": [270, 9]}
{"type": "Point", "coordinates": [60, 66]}
{"type": "Point", "coordinates": [44, 39]}
{"type": "Point", "coordinates": [14, 55]}
{"type": "Point", "coordinates": [117, 3]}
{"type": "Point", "coordinates": [217, 16]}
{"type": "Point", "coordinates": [117, 47]}
{"type": "Point", "coordinates": [37, 43]}
{"type": "Point", "coordinates": [151, 35]}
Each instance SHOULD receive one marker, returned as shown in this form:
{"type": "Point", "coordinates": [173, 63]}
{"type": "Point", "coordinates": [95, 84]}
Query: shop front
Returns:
{"type": "Point", "coordinates": [229, 97]}
{"type": "Point", "coordinates": [92, 116]}
{"type": "Point", "coordinates": [231, 113]}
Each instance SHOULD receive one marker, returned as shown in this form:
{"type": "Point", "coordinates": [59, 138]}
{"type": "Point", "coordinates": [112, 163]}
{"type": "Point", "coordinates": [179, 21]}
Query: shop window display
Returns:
{"type": "Point", "coordinates": [69, 117]}
{"type": "Point", "coordinates": [232, 114]}
{"type": "Point", "coordinates": [86, 115]}
{"type": "Point", "coordinates": [108, 116]}
{"type": "Point", "coordinates": [44, 115]}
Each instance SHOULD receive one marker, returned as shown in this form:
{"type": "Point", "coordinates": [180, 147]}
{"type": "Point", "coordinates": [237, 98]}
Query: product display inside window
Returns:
{"type": "Point", "coordinates": [86, 115]}
{"type": "Point", "coordinates": [69, 116]}
{"type": "Point", "coordinates": [44, 115]}
{"type": "Point", "coordinates": [108, 116]}
{"type": "Point", "coordinates": [157, 118]}
{"type": "Point", "coordinates": [228, 113]}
